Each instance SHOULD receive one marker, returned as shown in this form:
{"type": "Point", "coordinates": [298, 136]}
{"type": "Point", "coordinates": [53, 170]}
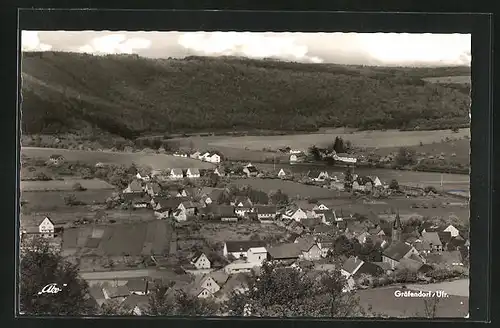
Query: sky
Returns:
{"type": "Point", "coordinates": [380, 49]}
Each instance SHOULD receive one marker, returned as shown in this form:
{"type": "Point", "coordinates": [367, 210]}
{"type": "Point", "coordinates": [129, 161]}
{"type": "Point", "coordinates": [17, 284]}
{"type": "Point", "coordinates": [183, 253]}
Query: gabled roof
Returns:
{"type": "Point", "coordinates": [410, 264]}
{"type": "Point", "coordinates": [444, 236]}
{"type": "Point", "coordinates": [120, 291]}
{"type": "Point", "coordinates": [352, 265]}
{"type": "Point", "coordinates": [266, 209]}
{"type": "Point", "coordinates": [252, 169]}
{"type": "Point", "coordinates": [397, 251]}
{"type": "Point", "coordinates": [136, 197]}
{"type": "Point", "coordinates": [432, 238]}
{"type": "Point", "coordinates": [285, 251]}
{"type": "Point", "coordinates": [194, 171]}
{"type": "Point", "coordinates": [170, 203]}
{"type": "Point", "coordinates": [176, 172]}
{"type": "Point", "coordinates": [46, 218]}
{"type": "Point", "coordinates": [314, 173]}
{"type": "Point", "coordinates": [226, 211]}
{"type": "Point", "coordinates": [137, 285]}
{"type": "Point", "coordinates": [189, 204]}
{"type": "Point", "coordinates": [220, 277]}
{"type": "Point", "coordinates": [155, 186]}
{"type": "Point", "coordinates": [323, 229]}
{"type": "Point", "coordinates": [196, 256]}
{"type": "Point", "coordinates": [135, 185]}
{"type": "Point", "coordinates": [243, 245]}
{"type": "Point", "coordinates": [132, 301]}
{"type": "Point", "coordinates": [422, 245]}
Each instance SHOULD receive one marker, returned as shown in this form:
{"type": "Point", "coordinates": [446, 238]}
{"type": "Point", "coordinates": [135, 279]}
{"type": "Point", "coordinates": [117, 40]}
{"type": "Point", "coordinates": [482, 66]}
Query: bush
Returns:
{"type": "Point", "coordinates": [42, 177]}
{"type": "Point", "coordinates": [394, 185]}
{"type": "Point", "coordinates": [78, 187]}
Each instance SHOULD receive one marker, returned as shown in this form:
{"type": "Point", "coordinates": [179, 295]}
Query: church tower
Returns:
{"type": "Point", "coordinates": [397, 229]}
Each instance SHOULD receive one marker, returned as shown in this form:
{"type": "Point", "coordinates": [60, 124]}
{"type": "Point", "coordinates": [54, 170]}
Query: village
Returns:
{"type": "Point", "coordinates": [305, 234]}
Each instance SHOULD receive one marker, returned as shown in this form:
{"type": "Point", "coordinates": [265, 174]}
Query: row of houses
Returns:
{"type": "Point", "coordinates": [211, 157]}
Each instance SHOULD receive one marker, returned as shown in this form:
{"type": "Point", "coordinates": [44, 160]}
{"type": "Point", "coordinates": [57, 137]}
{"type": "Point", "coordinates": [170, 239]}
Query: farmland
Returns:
{"type": "Point", "coordinates": [64, 185]}
{"type": "Point", "coordinates": [380, 139]}
{"type": "Point", "coordinates": [220, 232]}
{"type": "Point", "coordinates": [54, 199]}
{"type": "Point", "coordinates": [156, 161]}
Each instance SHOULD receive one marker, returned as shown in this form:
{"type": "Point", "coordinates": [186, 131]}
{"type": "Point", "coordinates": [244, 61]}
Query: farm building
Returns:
{"type": "Point", "coordinates": [176, 174]}
{"type": "Point", "coordinates": [240, 248]}
{"type": "Point", "coordinates": [46, 228]}
{"type": "Point", "coordinates": [193, 173]}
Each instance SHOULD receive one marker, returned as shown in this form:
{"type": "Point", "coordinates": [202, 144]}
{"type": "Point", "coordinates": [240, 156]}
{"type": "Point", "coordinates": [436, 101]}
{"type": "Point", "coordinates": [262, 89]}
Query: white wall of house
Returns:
{"type": "Point", "coordinates": [454, 231]}
{"type": "Point", "coordinates": [312, 254]}
{"type": "Point", "coordinates": [46, 228]}
{"type": "Point", "coordinates": [299, 215]}
{"type": "Point", "coordinates": [210, 285]}
{"type": "Point", "coordinates": [257, 255]}
{"type": "Point", "coordinates": [202, 262]}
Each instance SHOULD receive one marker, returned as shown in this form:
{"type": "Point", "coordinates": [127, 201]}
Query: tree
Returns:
{"type": "Point", "coordinates": [70, 200]}
{"type": "Point", "coordinates": [41, 176]}
{"type": "Point", "coordinates": [167, 301]}
{"type": "Point", "coordinates": [41, 266]}
{"type": "Point", "coordinates": [314, 153]}
{"type": "Point", "coordinates": [405, 156]}
{"type": "Point", "coordinates": [394, 185]}
{"type": "Point", "coordinates": [338, 145]}
{"type": "Point", "coordinates": [288, 292]}
{"type": "Point", "coordinates": [278, 198]}
{"type": "Point", "coordinates": [78, 187]}
{"type": "Point", "coordinates": [348, 179]}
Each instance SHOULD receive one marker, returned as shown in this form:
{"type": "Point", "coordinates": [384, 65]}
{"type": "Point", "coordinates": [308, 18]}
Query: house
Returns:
{"type": "Point", "coordinates": [445, 237]}
{"type": "Point", "coordinates": [325, 244]}
{"type": "Point", "coordinates": [363, 237]}
{"type": "Point", "coordinates": [256, 254]}
{"type": "Point", "coordinates": [213, 158]}
{"type": "Point", "coordinates": [397, 251]}
{"type": "Point", "coordinates": [204, 156]}
{"type": "Point", "coordinates": [324, 229]}
{"type": "Point", "coordinates": [241, 266]}
{"type": "Point", "coordinates": [137, 200]}
{"type": "Point", "coordinates": [118, 292]}
{"type": "Point", "coordinates": [153, 189]}
{"type": "Point", "coordinates": [281, 173]}
{"type": "Point", "coordinates": [318, 176]}
{"type": "Point", "coordinates": [285, 252]}
{"type": "Point", "coordinates": [136, 304]}
{"type": "Point", "coordinates": [163, 206]}
{"type": "Point", "coordinates": [200, 261]}
{"type": "Point", "coordinates": [434, 241]}
{"type": "Point", "coordinates": [295, 227]}
{"type": "Point", "coordinates": [188, 207]}
{"type": "Point", "coordinates": [345, 158]}
{"type": "Point", "coordinates": [320, 207]}
{"type": "Point", "coordinates": [243, 205]}
{"type": "Point", "coordinates": [193, 173]}
{"type": "Point", "coordinates": [455, 243]}
{"type": "Point", "coordinates": [293, 158]}
{"type": "Point", "coordinates": [220, 277]}
{"type": "Point", "coordinates": [453, 258]}
{"type": "Point", "coordinates": [355, 267]}
{"type": "Point", "coordinates": [413, 265]}
{"type": "Point", "coordinates": [134, 187]}
{"type": "Point", "coordinates": [179, 215]}
{"type": "Point", "coordinates": [206, 282]}
{"type": "Point", "coordinates": [266, 212]}
{"type": "Point", "coordinates": [310, 250]}
{"type": "Point", "coordinates": [240, 248]}
{"type": "Point", "coordinates": [218, 172]}
{"type": "Point", "coordinates": [375, 181]}
{"type": "Point", "coordinates": [138, 286]}
{"type": "Point", "coordinates": [195, 155]}
{"type": "Point", "coordinates": [143, 177]}
{"type": "Point", "coordinates": [297, 214]}
{"type": "Point", "coordinates": [46, 228]}
{"type": "Point", "coordinates": [237, 283]}
{"type": "Point", "coordinates": [250, 171]}
{"type": "Point", "coordinates": [452, 230]}
{"type": "Point", "coordinates": [423, 247]}
{"type": "Point", "coordinates": [226, 213]}
{"type": "Point", "coordinates": [56, 159]}
{"type": "Point", "coordinates": [176, 174]}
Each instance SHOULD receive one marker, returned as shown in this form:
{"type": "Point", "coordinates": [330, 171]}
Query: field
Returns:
{"type": "Point", "coordinates": [461, 149]}
{"type": "Point", "coordinates": [292, 189]}
{"type": "Point", "coordinates": [156, 161]}
{"type": "Point", "coordinates": [55, 199]}
{"type": "Point", "coordinates": [381, 139]}
{"type": "Point", "coordinates": [64, 185]}
{"type": "Point", "coordinates": [383, 301]}
{"type": "Point", "coordinates": [67, 215]}
{"type": "Point", "coordinates": [140, 239]}
{"type": "Point", "coordinates": [219, 232]}
{"type": "Point", "coordinates": [466, 79]}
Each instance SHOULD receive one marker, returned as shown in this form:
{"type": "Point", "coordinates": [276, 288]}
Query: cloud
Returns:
{"type": "Point", "coordinates": [417, 49]}
{"type": "Point", "coordinates": [31, 42]}
{"type": "Point", "coordinates": [115, 44]}
{"type": "Point", "coordinates": [253, 45]}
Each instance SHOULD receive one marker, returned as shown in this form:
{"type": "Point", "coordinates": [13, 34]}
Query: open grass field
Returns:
{"type": "Point", "coordinates": [292, 189]}
{"type": "Point", "coordinates": [220, 232]}
{"type": "Point", "coordinates": [55, 199]}
{"type": "Point", "coordinates": [383, 301]}
{"type": "Point", "coordinates": [460, 79]}
{"type": "Point", "coordinates": [140, 239]}
{"type": "Point", "coordinates": [64, 185]}
{"type": "Point", "coordinates": [67, 215]}
{"type": "Point", "coordinates": [381, 139]}
{"type": "Point", "coordinates": [461, 149]}
{"type": "Point", "coordinates": [455, 287]}
{"type": "Point", "coordinates": [156, 161]}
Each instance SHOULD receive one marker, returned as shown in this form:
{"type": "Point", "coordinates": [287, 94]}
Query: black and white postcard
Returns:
{"type": "Point", "coordinates": [245, 174]}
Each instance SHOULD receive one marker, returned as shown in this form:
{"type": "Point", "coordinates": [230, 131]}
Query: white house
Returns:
{"type": "Point", "coordinates": [144, 177]}
{"type": "Point", "coordinates": [294, 158]}
{"type": "Point", "coordinates": [295, 151]}
{"type": "Point", "coordinates": [281, 173]}
{"type": "Point", "coordinates": [345, 158]}
{"type": "Point", "coordinates": [201, 261]}
{"type": "Point", "coordinates": [296, 215]}
{"type": "Point", "coordinates": [452, 230]}
{"type": "Point", "coordinates": [240, 266]}
{"type": "Point", "coordinates": [239, 249]}
{"type": "Point", "coordinates": [195, 155]}
{"type": "Point", "coordinates": [214, 158]}
{"type": "Point", "coordinates": [204, 156]}
{"type": "Point", "coordinates": [46, 228]}
{"type": "Point", "coordinates": [321, 207]}
{"type": "Point", "coordinates": [208, 283]}
{"type": "Point", "coordinates": [179, 215]}
{"type": "Point", "coordinates": [376, 181]}
{"type": "Point", "coordinates": [193, 173]}
{"type": "Point", "coordinates": [176, 174]}
{"type": "Point", "coordinates": [256, 254]}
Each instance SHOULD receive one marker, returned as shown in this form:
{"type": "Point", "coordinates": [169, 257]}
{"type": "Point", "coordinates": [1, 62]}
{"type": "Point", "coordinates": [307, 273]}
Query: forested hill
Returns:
{"type": "Point", "coordinates": [128, 95]}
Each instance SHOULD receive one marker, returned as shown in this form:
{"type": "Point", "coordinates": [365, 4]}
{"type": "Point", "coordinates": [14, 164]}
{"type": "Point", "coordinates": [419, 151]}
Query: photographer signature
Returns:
{"type": "Point", "coordinates": [51, 289]}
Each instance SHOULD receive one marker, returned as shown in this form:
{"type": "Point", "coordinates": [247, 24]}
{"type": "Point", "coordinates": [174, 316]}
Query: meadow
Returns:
{"type": "Point", "coordinates": [221, 232]}
{"type": "Point", "coordinates": [155, 161]}
{"type": "Point", "coordinates": [368, 139]}
{"type": "Point", "coordinates": [38, 201]}
{"type": "Point", "coordinates": [64, 185]}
